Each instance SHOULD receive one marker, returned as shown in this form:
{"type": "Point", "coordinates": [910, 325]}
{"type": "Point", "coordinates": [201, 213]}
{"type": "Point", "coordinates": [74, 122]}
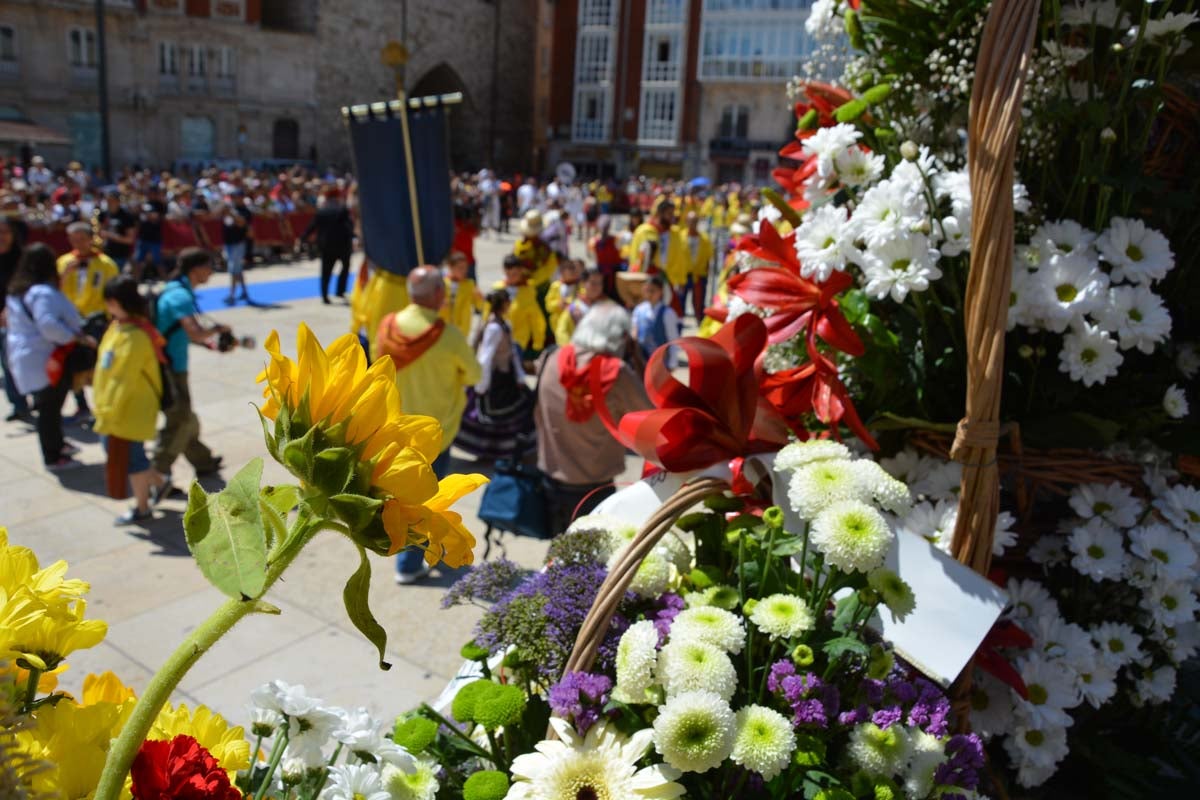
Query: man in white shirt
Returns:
{"type": "Point", "coordinates": [526, 196]}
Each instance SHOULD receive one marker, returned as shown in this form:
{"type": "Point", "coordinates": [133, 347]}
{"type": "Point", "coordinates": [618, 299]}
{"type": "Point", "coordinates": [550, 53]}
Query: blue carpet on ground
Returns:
{"type": "Point", "coordinates": [267, 293]}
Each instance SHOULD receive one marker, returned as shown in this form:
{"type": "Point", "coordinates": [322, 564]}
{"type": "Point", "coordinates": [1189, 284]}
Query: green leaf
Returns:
{"type": "Point", "coordinates": [225, 533]}
{"type": "Point", "coordinates": [836, 648]}
{"type": "Point", "coordinates": [359, 610]}
{"type": "Point", "coordinates": [846, 608]}
{"type": "Point", "coordinates": [788, 546]}
{"type": "Point", "coordinates": [275, 502]}
{"type": "Point", "coordinates": [333, 468]}
{"type": "Point", "coordinates": [877, 93]}
{"type": "Point", "coordinates": [356, 510]}
{"type": "Point", "coordinates": [298, 455]}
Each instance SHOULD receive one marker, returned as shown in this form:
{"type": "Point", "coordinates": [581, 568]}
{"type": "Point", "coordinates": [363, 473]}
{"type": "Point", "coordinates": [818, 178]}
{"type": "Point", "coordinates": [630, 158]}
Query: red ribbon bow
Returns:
{"type": "Point", "coordinates": [1004, 634]}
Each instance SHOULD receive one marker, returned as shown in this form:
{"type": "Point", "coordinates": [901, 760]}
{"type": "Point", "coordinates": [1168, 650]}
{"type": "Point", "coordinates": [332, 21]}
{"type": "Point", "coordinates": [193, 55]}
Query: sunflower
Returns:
{"type": "Point", "coordinates": [339, 427]}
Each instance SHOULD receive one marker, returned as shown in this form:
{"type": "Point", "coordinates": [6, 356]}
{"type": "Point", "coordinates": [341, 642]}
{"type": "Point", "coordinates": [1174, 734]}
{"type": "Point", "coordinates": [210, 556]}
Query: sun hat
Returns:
{"type": "Point", "coordinates": [531, 224]}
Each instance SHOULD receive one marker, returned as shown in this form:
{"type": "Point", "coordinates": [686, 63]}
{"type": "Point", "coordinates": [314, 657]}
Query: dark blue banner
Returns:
{"type": "Point", "coordinates": [383, 189]}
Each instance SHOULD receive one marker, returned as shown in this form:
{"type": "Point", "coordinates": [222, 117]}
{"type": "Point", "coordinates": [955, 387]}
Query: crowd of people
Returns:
{"type": "Point", "coordinates": [579, 330]}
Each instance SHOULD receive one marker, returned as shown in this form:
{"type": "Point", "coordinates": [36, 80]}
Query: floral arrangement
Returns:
{"type": "Point", "coordinates": [742, 659]}
{"type": "Point", "coordinates": [878, 211]}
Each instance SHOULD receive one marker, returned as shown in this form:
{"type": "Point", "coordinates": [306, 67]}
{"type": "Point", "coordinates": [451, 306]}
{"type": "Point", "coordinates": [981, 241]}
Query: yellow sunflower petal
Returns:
{"type": "Point", "coordinates": [105, 688]}
{"type": "Point", "coordinates": [406, 476]}
{"type": "Point", "coordinates": [453, 488]}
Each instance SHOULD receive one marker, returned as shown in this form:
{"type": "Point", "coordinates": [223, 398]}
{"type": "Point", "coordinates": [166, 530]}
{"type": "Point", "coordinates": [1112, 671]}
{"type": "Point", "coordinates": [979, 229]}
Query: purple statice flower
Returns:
{"type": "Point", "coordinates": [485, 583]}
{"type": "Point", "coordinates": [779, 671]}
{"type": "Point", "coordinates": [887, 717]}
{"type": "Point", "coordinates": [904, 691]}
{"type": "Point", "coordinates": [854, 716]}
{"type": "Point", "coordinates": [872, 690]}
{"type": "Point", "coordinates": [813, 701]}
{"type": "Point", "coordinates": [580, 697]}
{"type": "Point", "coordinates": [931, 711]}
{"type": "Point", "coordinates": [669, 606]}
{"type": "Point", "coordinates": [964, 759]}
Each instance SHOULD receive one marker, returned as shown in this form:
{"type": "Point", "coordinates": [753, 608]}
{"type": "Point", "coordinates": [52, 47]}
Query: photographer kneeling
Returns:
{"type": "Point", "coordinates": [177, 320]}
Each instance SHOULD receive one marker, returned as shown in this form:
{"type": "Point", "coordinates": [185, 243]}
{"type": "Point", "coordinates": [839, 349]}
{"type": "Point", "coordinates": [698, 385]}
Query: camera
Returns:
{"type": "Point", "coordinates": [226, 341]}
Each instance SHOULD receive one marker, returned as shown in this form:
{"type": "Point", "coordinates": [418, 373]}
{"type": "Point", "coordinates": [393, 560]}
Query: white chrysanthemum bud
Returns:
{"type": "Point", "coordinates": [797, 454]}
{"type": "Point", "coordinates": [909, 150]}
{"type": "Point", "coordinates": [1108, 136]}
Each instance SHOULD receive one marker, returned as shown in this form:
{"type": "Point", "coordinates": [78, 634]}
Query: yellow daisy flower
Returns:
{"type": "Point", "coordinates": [41, 635]}
{"type": "Point", "coordinates": [74, 740]}
{"type": "Point", "coordinates": [227, 745]}
{"type": "Point", "coordinates": [105, 688]}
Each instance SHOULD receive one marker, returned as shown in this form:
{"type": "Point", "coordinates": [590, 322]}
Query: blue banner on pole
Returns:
{"type": "Point", "coordinates": [385, 206]}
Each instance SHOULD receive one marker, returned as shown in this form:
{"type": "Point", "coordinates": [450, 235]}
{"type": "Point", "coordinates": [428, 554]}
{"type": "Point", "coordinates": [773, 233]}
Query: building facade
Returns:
{"type": "Point", "coordinates": [675, 88]}
{"type": "Point", "coordinates": [203, 81]}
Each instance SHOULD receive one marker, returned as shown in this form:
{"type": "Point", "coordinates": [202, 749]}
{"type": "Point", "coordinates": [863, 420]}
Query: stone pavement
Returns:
{"type": "Point", "coordinates": [145, 585]}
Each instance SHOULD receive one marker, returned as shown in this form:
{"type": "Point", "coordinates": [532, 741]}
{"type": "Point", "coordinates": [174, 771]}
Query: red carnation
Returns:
{"type": "Point", "coordinates": [181, 769]}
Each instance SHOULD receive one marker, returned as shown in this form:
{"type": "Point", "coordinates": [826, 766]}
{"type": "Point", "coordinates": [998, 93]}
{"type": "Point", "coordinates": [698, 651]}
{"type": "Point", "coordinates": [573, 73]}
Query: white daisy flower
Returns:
{"type": "Point", "coordinates": [1187, 360]}
{"type": "Point", "coordinates": [1104, 13]}
{"type": "Point", "coordinates": [1068, 55]}
{"type": "Point", "coordinates": [769, 213]}
{"type": "Point", "coordinates": [932, 522]}
{"type": "Point", "coordinates": [263, 721]}
{"type": "Point", "coordinates": [686, 665]}
{"type": "Point", "coordinates": [602, 764]}
{"type": "Point", "coordinates": [1051, 692]}
{"type": "Point", "coordinates": [1048, 551]}
{"type": "Point", "coordinates": [1156, 686]}
{"type": "Point", "coordinates": [1029, 600]}
{"type": "Point", "coordinates": [363, 737]}
{"type": "Point", "coordinates": [763, 741]}
{"type": "Point", "coordinates": [694, 731]}
{"type": "Point", "coordinates": [878, 752]}
{"type": "Point", "coordinates": [795, 455]}
{"type": "Point", "coordinates": [852, 536]}
{"type": "Point", "coordinates": [1137, 254]}
{"type": "Point", "coordinates": [1029, 257]}
{"type": "Point", "coordinates": [1168, 552]}
{"type": "Point", "coordinates": [855, 166]}
{"type": "Point", "coordinates": [1180, 506]}
{"type": "Point", "coordinates": [1064, 642]}
{"type": "Point", "coordinates": [991, 706]}
{"type": "Point", "coordinates": [1181, 641]}
{"type": "Point", "coordinates": [1038, 746]}
{"type": "Point", "coordinates": [1097, 550]}
{"type": "Point", "coordinates": [354, 782]}
{"type": "Point", "coordinates": [713, 625]}
{"type": "Point", "coordinates": [782, 616]}
{"type": "Point", "coordinates": [1098, 685]}
{"type": "Point", "coordinates": [819, 242]}
{"type": "Point", "coordinates": [1068, 287]}
{"type": "Point", "coordinates": [1025, 299]}
{"type": "Point", "coordinates": [420, 784]}
{"type": "Point", "coordinates": [1113, 502]}
{"type": "Point", "coordinates": [1175, 402]}
{"type": "Point", "coordinates": [942, 482]}
{"type": "Point", "coordinates": [888, 210]}
{"type": "Point", "coordinates": [1004, 536]}
{"type": "Point", "coordinates": [1170, 604]}
{"type": "Point", "coordinates": [1137, 316]}
{"type": "Point", "coordinates": [955, 185]}
{"type": "Point", "coordinates": [1118, 643]}
{"type": "Point", "coordinates": [637, 654]}
{"type": "Point", "coordinates": [828, 143]}
{"type": "Point", "coordinates": [898, 266]}
{"type": "Point", "coordinates": [1089, 355]}
{"type": "Point", "coordinates": [1170, 25]}
{"type": "Point", "coordinates": [908, 466]}
{"type": "Point", "coordinates": [956, 236]}
{"type": "Point", "coordinates": [1065, 237]}
{"type": "Point", "coordinates": [292, 700]}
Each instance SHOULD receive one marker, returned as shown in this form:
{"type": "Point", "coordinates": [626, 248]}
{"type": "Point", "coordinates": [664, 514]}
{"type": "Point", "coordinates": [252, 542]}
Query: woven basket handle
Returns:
{"type": "Point", "coordinates": [992, 145]}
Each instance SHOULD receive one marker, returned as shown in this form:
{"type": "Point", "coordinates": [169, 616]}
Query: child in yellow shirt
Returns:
{"type": "Point", "coordinates": [563, 290]}
{"type": "Point", "coordinates": [128, 392]}
{"type": "Point", "coordinates": [462, 297]}
{"type": "Point", "coordinates": [524, 315]}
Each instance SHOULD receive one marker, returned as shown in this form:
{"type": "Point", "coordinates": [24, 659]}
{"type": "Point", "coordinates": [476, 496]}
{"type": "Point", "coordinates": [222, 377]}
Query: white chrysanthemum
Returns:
{"type": "Point", "coordinates": [797, 454]}
{"type": "Point", "coordinates": [601, 765]}
{"type": "Point", "coordinates": [686, 665]}
{"type": "Point", "coordinates": [1180, 506]}
{"type": "Point", "coordinates": [1175, 403]}
{"type": "Point", "coordinates": [1097, 551]}
{"type": "Point", "coordinates": [1065, 643]}
{"type": "Point", "coordinates": [637, 653]}
{"type": "Point", "coordinates": [855, 166]}
{"type": "Point", "coordinates": [817, 485]}
{"type": "Point", "coordinates": [827, 144]}
{"type": "Point", "coordinates": [263, 721]}
{"type": "Point", "coordinates": [723, 597]}
{"type": "Point", "coordinates": [927, 754]}
{"type": "Point", "coordinates": [420, 784]}
{"type": "Point", "coordinates": [1098, 684]}
{"type": "Point", "coordinates": [1089, 355]}
{"type": "Point", "coordinates": [852, 536]}
{"type": "Point", "coordinates": [653, 576]}
{"type": "Point", "coordinates": [1051, 690]}
{"type": "Point", "coordinates": [1068, 55]}
{"type": "Point", "coordinates": [1028, 257]}
{"type": "Point", "coordinates": [1038, 747]}
{"type": "Point", "coordinates": [782, 616]}
{"type": "Point", "coordinates": [942, 482]}
{"type": "Point", "coordinates": [1169, 553]}
{"type": "Point", "coordinates": [1113, 502]}
{"type": "Point", "coordinates": [1156, 685]}
{"type": "Point", "coordinates": [888, 210]}
{"type": "Point", "coordinates": [896, 594]}
{"type": "Point", "coordinates": [1068, 287]}
{"type": "Point", "coordinates": [713, 625]}
{"type": "Point", "coordinates": [1118, 643]}
{"type": "Point", "coordinates": [956, 235]}
{"type": "Point", "coordinates": [1170, 604]}
{"type": "Point", "coordinates": [819, 242]}
{"type": "Point", "coordinates": [878, 752]}
{"type": "Point", "coordinates": [954, 185]}
{"type": "Point", "coordinates": [1181, 642]}
{"type": "Point", "coordinates": [354, 782]}
{"type": "Point", "coordinates": [1029, 600]}
{"type": "Point", "coordinates": [991, 706]}
{"type": "Point", "coordinates": [694, 731]}
{"type": "Point", "coordinates": [1137, 316]}
{"type": "Point", "coordinates": [1004, 535]}
{"type": "Point", "coordinates": [887, 492]}
{"type": "Point", "coordinates": [1137, 254]}
{"type": "Point", "coordinates": [1104, 13]}
{"type": "Point", "coordinates": [763, 741]}
{"type": "Point", "coordinates": [1048, 551]}
{"type": "Point", "coordinates": [898, 266]}
{"type": "Point", "coordinates": [1063, 238]}
{"type": "Point", "coordinates": [292, 700]}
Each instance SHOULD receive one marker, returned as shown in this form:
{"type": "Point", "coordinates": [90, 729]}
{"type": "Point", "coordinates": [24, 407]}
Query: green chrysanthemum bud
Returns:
{"type": "Point", "coordinates": [749, 606]}
{"type": "Point", "coordinates": [722, 503]}
{"type": "Point", "coordinates": [462, 708]}
{"type": "Point", "coordinates": [802, 655]}
{"type": "Point", "coordinates": [880, 663]}
{"type": "Point", "coordinates": [885, 135]}
{"type": "Point", "coordinates": [500, 705]}
{"type": "Point", "coordinates": [473, 652]}
{"type": "Point", "coordinates": [414, 734]}
{"type": "Point", "coordinates": [773, 517]}
{"type": "Point", "coordinates": [486, 785]}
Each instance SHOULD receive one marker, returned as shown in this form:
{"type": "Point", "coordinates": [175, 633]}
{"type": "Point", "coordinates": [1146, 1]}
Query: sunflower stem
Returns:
{"type": "Point", "coordinates": [126, 746]}
{"type": "Point", "coordinates": [31, 687]}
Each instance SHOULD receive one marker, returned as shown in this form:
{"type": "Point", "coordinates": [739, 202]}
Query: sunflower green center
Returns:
{"type": "Point", "coordinates": [1066, 292]}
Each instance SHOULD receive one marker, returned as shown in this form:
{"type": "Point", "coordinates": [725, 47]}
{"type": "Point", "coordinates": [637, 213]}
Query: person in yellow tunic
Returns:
{"type": "Point", "coordinates": [128, 387]}
{"type": "Point", "coordinates": [434, 367]}
{"type": "Point", "coordinates": [462, 297]}
{"type": "Point", "coordinates": [691, 255]}
{"type": "Point", "coordinates": [651, 241]}
{"type": "Point", "coordinates": [385, 292]}
{"type": "Point", "coordinates": [84, 271]}
{"type": "Point", "coordinates": [525, 314]}
{"type": "Point", "coordinates": [537, 255]}
{"type": "Point", "coordinates": [590, 295]}
{"type": "Point", "coordinates": [562, 292]}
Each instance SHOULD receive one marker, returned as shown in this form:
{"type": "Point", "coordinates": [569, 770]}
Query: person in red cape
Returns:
{"type": "Point", "coordinates": [179, 769]}
{"type": "Point", "coordinates": [577, 456]}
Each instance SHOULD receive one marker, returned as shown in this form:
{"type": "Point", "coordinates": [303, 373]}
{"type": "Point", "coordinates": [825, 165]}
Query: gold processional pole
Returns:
{"type": "Point", "coordinates": [395, 55]}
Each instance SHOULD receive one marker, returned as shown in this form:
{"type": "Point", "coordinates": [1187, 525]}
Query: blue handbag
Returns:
{"type": "Point", "coordinates": [513, 501]}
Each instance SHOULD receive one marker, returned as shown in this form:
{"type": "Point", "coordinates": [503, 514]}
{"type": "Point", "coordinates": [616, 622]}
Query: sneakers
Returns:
{"type": "Point", "coordinates": [64, 464]}
{"type": "Point", "coordinates": [406, 578]}
{"type": "Point", "coordinates": [213, 469]}
{"type": "Point", "coordinates": [70, 450]}
{"type": "Point", "coordinates": [133, 517]}
{"type": "Point", "coordinates": [19, 416]}
{"type": "Point", "coordinates": [162, 491]}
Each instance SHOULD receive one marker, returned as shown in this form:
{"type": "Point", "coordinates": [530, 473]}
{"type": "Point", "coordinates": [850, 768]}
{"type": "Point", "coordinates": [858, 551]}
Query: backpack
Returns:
{"type": "Point", "coordinates": [167, 399]}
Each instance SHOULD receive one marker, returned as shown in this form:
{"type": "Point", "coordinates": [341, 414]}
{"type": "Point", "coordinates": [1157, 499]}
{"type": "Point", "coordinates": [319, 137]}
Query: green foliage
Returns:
{"type": "Point", "coordinates": [225, 533]}
{"type": "Point", "coordinates": [473, 652]}
{"type": "Point", "coordinates": [359, 610]}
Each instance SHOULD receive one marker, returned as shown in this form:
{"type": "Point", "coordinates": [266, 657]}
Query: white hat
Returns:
{"type": "Point", "coordinates": [531, 224]}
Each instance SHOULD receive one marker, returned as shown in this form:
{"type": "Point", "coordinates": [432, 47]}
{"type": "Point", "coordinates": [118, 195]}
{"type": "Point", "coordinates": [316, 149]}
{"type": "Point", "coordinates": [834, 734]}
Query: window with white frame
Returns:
{"type": "Point", "coordinates": [168, 59]}
{"type": "Point", "coordinates": [593, 70]}
{"type": "Point", "coordinates": [660, 116]}
{"type": "Point", "coordinates": [225, 59]}
{"type": "Point", "coordinates": [81, 48]}
{"type": "Point", "coordinates": [591, 58]}
{"type": "Point", "coordinates": [665, 12]}
{"type": "Point", "coordinates": [769, 45]}
{"type": "Point", "coordinates": [8, 43]}
{"type": "Point", "coordinates": [197, 61]}
{"type": "Point", "coordinates": [662, 72]}
{"type": "Point", "coordinates": [591, 115]}
{"type": "Point", "coordinates": [662, 57]}
{"type": "Point", "coordinates": [599, 13]}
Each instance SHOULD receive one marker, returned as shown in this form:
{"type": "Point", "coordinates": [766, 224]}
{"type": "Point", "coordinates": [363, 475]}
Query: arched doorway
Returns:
{"type": "Point", "coordinates": [285, 139]}
{"type": "Point", "coordinates": [468, 150]}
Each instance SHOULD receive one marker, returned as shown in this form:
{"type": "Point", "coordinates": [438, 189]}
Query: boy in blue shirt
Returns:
{"type": "Point", "coordinates": [655, 323]}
